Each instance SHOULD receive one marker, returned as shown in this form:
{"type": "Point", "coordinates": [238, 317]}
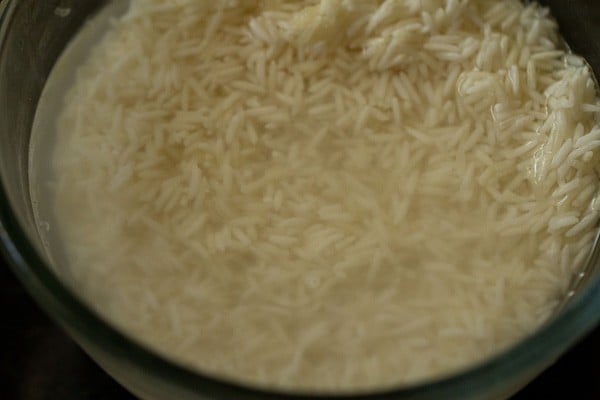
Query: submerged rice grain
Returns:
{"type": "Point", "coordinates": [328, 195]}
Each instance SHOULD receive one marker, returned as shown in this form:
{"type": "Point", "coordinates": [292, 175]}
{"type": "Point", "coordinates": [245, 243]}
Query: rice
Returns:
{"type": "Point", "coordinates": [328, 195]}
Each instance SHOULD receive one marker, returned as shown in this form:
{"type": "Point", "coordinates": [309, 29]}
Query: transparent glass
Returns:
{"type": "Point", "coordinates": [33, 33]}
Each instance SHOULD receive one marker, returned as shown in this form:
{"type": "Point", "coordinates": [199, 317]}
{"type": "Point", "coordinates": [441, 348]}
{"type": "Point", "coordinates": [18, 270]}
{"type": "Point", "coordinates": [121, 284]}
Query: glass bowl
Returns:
{"type": "Point", "coordinates": [33, 34]}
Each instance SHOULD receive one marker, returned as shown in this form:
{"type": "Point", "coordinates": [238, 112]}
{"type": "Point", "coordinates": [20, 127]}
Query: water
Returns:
{"type": "Point", "coordinates": [43, 135]}
{"type": "Point", "coordinates": [43, 142]}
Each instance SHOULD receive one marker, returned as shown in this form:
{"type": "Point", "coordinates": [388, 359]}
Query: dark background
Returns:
{"type": "Point", "coordinates": [39, 362]}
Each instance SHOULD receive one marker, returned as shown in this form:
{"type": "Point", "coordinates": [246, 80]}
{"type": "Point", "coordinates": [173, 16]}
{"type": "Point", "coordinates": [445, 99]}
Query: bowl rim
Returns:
{"type": "Point", "coordinates": [529, 356]}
